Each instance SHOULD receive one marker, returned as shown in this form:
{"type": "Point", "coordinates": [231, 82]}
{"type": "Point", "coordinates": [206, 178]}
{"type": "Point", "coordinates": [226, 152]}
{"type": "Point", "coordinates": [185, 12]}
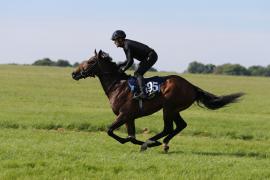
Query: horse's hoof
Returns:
{"type": "Point", "coordinates": [149, 143]}
{"type": "Point", "coordinates": [166, 148]}
{"type": "Point", "coordinates": [143, 147]}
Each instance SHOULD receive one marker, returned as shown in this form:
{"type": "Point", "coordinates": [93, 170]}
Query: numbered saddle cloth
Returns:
{"type": "Point", "coordinates": [151, 85]}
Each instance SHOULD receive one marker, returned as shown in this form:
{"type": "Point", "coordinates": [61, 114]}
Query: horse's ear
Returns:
{"type": "Point", "coordinates": [100, 54]}
{"type": "Point", "coordinates": [95, 52]}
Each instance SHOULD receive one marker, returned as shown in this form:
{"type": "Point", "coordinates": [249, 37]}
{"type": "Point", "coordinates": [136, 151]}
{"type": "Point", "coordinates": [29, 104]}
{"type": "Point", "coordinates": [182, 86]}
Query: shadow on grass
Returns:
{"type": "Point", "coordinates": [233, 154]}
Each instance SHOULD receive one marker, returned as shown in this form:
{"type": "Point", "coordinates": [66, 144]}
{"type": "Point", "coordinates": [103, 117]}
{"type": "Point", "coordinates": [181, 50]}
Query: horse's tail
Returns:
{"type": "Point", "coordinates": [214, 102]}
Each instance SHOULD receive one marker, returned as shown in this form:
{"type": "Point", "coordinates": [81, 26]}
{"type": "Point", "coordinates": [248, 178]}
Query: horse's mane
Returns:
{"type": "Point", "coordinates": [114, 66]}
{"type": "Point", "coordinates": [111, 63]}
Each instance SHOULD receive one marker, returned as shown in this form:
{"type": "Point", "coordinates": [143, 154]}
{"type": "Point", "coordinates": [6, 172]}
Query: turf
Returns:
{"type": "Point", "coordinates": [52, 127]}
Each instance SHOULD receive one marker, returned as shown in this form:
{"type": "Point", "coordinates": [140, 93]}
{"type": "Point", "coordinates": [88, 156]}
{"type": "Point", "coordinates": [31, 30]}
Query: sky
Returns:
{"type": "Point", "coordinates": [180, 31]}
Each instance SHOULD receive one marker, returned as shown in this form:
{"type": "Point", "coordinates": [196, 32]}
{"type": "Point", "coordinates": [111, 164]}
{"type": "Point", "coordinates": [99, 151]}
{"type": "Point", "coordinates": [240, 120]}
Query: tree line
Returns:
{"type": "Point", "coordinates": [66, 63]}
{"type": "Point", "coordinates": [49, 62]}
{"type": "Point", "coordinates": [228, 69]}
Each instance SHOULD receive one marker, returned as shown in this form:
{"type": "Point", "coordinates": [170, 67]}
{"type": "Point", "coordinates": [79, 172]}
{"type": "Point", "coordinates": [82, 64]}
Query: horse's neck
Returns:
{"type": "Point", "coordinates": [107, 81]}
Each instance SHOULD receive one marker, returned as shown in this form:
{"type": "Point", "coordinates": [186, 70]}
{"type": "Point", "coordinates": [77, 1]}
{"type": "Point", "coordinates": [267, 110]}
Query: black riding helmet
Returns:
{"type": "Point", "coordinates": [118, 34]}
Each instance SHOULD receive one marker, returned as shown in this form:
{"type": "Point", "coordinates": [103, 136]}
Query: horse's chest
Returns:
{"type": "Point", "coordinates": [115, 105]}
{"type": "Point", "coordinates": [118, 99]}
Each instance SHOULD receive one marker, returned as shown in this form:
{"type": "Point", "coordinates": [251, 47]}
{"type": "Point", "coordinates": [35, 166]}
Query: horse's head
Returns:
{"type": "Point", "coordinates": [100, 63]}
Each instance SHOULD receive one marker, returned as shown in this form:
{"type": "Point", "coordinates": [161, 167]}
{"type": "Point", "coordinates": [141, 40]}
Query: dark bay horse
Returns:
{"type": "Point", "coordinates": [177, 94]}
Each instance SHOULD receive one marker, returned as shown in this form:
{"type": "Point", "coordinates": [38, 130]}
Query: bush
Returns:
{"type": "Point", "coordinates": [228, 69]}
{"type": "Point", "coordinates": [196, 67]}
{"type": "Point", "coordinates": [267, 71]}
{"type": "Point", "coordinates": [62, 63]}
{"type": "Point", "coordinates": [44, 62]}
{"type": "Point", "coordinates": [209, 68]}
{"type": "Point", "coordinates": [231, 69]}
{"type": "Point", "coordinates": [76, 64]}
{"type": "Point", "coordinates": [257, 70]}
{"type": "Point", "coordinates": [49, 62]}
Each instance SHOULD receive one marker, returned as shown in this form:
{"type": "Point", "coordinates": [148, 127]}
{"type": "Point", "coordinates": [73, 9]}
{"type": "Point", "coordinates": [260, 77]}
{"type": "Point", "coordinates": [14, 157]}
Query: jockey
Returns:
{"type": "Point", "coordinates": [133, 49]}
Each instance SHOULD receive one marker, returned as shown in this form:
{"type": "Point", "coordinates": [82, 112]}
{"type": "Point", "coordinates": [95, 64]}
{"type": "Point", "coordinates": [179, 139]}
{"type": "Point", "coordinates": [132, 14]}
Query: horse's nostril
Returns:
{"type": "Point", "coordinates": [73, 74]}
{"type": "Point", "coordinates": [83, 73]}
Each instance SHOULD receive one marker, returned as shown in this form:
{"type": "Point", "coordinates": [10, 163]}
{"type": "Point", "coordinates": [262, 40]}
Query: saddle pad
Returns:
{"type": "Point", "coordinates": [151, 85]}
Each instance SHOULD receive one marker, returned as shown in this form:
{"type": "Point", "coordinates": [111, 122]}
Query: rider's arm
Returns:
{"type": "Point", "coordinates": [122, 64]}
{"type": "Point", "coordinates": [129, 60]}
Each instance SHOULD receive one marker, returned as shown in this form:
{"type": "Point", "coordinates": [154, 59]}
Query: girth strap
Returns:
{"type": "Point", "coordinates": [141, 105]}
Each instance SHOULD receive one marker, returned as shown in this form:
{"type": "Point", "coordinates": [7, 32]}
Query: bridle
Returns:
{"type": "Point", "coordinates": [89, 72]}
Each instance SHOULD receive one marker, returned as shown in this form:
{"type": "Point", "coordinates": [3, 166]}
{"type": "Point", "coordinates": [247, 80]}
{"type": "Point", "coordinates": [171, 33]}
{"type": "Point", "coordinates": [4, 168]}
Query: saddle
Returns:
{"type": "Point", "coordinates": [151, 86]}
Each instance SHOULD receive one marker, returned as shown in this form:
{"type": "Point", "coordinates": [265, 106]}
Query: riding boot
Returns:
{"type": "Point", "coordinates": [142, 94]}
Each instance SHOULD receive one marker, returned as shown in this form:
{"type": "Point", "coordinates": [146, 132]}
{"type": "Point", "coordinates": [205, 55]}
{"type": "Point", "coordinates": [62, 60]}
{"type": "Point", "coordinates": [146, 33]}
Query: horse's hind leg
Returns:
{"type": "Point", "coordinates": [180, 125]}
{"type": "Point", "coordinates": [168, 128]}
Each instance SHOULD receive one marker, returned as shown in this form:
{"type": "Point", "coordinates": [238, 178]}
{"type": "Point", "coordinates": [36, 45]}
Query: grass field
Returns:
{"type": "Point", "coordinates": [52, 127]}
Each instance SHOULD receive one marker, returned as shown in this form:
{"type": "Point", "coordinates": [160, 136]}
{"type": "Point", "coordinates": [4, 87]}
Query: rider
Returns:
{"type": "Point", "coordinates": [133, 49]}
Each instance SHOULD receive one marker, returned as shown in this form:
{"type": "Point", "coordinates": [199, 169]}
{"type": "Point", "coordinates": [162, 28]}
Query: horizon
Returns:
{"type": "Point", "coordinates": [210, 32]}
{"type": "Point", "coordinates": [72, 65]}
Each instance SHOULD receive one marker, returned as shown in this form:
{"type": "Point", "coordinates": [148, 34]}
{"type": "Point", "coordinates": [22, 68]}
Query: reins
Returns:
{"type": "Point", "coordinates": [89, 72]}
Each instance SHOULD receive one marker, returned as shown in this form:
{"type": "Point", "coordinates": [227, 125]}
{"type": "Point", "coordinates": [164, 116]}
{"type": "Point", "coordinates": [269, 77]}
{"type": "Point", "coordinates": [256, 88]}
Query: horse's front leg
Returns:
{"type": "Point", "coordinates": [130, 125]}
{"type": "Point", "coordinates": [120, 120]}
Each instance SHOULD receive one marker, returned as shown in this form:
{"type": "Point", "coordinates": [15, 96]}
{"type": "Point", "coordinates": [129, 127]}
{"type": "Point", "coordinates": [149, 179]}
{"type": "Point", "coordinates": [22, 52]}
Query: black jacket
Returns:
{"type": "Point", "coordinates": [134, 49]}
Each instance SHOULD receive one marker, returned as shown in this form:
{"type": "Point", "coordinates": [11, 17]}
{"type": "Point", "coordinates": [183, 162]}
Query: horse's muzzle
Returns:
{"type": "Point", "coordinates": [76, 76]}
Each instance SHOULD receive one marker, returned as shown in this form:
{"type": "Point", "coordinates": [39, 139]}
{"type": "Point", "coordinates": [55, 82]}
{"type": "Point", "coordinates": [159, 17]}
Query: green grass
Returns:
{"type": "Point", "coordinates": [52, 127]}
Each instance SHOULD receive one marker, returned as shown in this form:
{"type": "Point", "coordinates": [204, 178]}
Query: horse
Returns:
{"type": "Point", "coordinates": [176, 94]}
